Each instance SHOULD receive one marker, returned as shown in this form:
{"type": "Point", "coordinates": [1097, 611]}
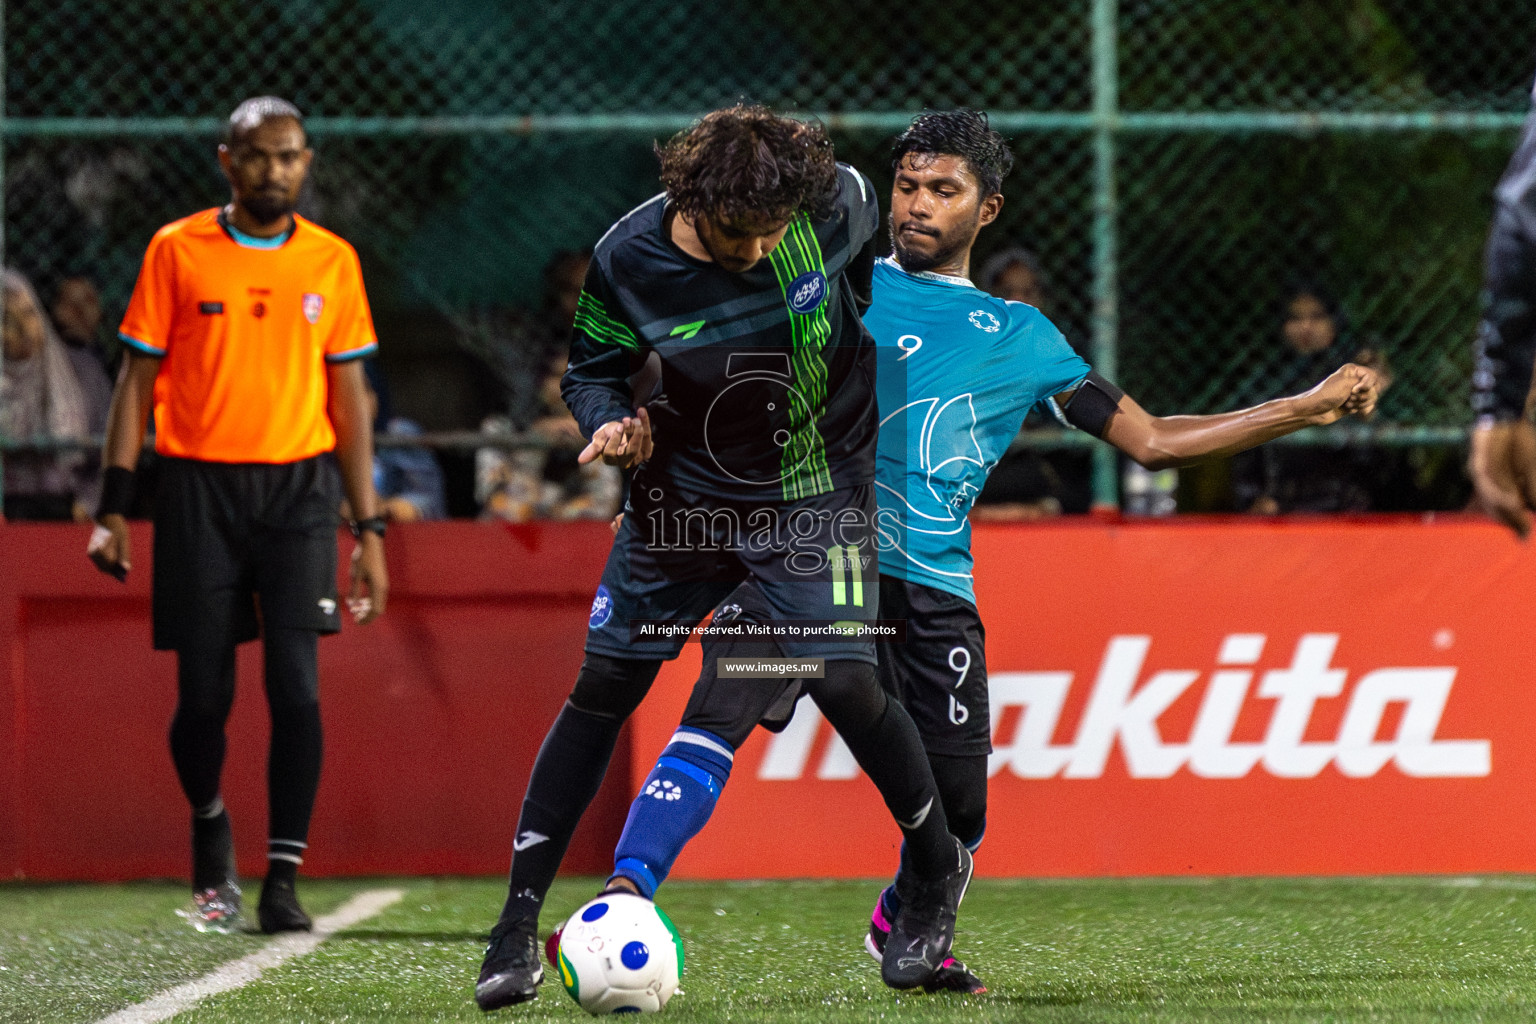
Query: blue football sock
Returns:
{"type": "Point", "coordinates": [677, 799]}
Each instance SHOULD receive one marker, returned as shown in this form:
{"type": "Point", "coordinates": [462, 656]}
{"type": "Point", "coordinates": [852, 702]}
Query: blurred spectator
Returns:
{"type": "Point", "coordinates": [40, 396]}
{"type": "Point", "coordinates": [77, 317]}
{"type": "Point", "coordinates": [564, 275]}
{"type": "Point", "coordinates": [516, 344]}
{"type": "Point", "coordinates": [409, 480]}
{"type": "Point", "coordinates": [1313, 341]}
{"type": "Point", "coordinates": [1015, 274]}
{"type": "Point", "coordinates": [545, 483]}
{"type": "Point", "coordinates": [1028, 484]}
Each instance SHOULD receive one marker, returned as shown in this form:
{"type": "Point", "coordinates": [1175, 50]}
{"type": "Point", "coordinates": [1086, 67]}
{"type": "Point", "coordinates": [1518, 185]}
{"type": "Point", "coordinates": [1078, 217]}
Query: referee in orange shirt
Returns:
{"type": "Point", "coordinates": [245, 333]}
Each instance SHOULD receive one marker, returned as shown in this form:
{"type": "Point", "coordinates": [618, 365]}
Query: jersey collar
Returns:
{"type": "Point", "coordinates": [246, 241]}
{"type": "Point", "coordinates": [928, 275]}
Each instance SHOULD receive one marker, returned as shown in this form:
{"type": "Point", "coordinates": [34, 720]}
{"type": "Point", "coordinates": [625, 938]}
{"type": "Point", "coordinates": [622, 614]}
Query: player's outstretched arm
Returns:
{"type": "Point", "coordinates": [1502, 465]}
{"type": "Point", "coordinates": [1162, 442]}
{"type": "Point", "coordinates": [132, 399]}
{"type": "Point", "coordinates": [348, 408]}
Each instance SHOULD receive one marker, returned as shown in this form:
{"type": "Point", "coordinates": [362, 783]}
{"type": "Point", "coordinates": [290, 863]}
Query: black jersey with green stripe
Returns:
{"type": "Point", "coordinates": [767, 377]}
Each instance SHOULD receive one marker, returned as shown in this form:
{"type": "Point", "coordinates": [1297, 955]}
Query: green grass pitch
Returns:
{"type": "Point", "coordinates": [1054, 951]}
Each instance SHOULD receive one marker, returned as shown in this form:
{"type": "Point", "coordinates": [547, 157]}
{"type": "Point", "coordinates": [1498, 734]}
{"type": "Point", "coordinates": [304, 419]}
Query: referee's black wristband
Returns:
{"type": "Point", "coordinates": [116, 492]}
{"type": "Point", "coordinates": [373, 524]}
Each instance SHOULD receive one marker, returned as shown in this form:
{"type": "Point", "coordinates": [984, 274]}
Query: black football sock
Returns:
{"type": "Point", "coordinates": [205, 683]}
{"type": "Point", "coordinates": [566, 776]}
{"type": "Point", "coordinates": [294, 754]}
{"type": "Point", "coordinates": [293, 773]}
{"type": "Point", "coordinates": [281, 865]}
{"type": "Point", "coordinates": [213, 846]}
{"type": "Point", "coordinates": [962, 782]}
{"type": "Point", "coordinates": [885, 743]}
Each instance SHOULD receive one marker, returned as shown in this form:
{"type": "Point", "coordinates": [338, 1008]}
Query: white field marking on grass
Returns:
{"type": "Point", "coordinates": [240, 973]}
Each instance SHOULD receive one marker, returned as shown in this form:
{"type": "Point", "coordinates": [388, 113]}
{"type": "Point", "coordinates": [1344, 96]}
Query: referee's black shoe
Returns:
{"type": "Point", "coordinates": [279, 909]}
{"type": "Point", "coordinates": [924, 930]}
{"type": "Point", "coordinates": [511, 972]}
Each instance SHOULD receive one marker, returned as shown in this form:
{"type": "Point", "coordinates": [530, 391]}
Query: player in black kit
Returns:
{"type": "Point", "coordinates": [745, 280]}
{"type": "Point", "coordinates": [1503, 458]}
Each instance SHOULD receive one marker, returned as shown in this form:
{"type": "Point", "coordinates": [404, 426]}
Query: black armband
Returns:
{"type": "Point", "coordinates": [1092, 404]}
{"type": "Point", "coordinates": [116, 492]}
{"type": "Point", "coordinates": [373, 524]}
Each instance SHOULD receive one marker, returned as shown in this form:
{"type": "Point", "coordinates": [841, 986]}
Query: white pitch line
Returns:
{"type": "Point", "coordinates": [241, 972]}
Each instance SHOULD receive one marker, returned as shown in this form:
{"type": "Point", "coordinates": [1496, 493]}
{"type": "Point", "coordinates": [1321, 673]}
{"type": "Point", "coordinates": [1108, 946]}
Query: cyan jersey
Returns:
{"type": "Point", "coordinates": [958, 370]}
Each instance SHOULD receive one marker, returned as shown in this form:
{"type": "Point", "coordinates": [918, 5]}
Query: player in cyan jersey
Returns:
{"type": "Point", "coordinates": [744, 280]}
{"type": "Point", "coordinates": [958, 372]}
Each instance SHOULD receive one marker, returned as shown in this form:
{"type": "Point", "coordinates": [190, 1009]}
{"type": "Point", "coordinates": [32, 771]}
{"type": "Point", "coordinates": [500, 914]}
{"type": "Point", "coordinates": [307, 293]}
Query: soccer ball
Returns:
{"type": "Point", "coordinates": [620, 954]}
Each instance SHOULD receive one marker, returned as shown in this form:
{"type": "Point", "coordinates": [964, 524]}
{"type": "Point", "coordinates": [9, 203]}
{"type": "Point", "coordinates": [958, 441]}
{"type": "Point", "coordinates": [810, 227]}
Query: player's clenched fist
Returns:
{"type": "Point", "coordinates": [623, 443]}
{"type": "Point", "coordinates": [1351, 390]}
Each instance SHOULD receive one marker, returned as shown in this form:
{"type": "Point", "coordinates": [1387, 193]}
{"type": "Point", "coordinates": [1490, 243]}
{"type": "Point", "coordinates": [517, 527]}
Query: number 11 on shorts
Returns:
{"type": "Point", "coordinates": [845, 565]}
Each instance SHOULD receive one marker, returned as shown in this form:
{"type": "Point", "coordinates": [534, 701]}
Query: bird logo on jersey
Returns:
{"type": "Point", "coordinates": [943, 434]}
{"type": "Point", "coordinates": [314, 305]}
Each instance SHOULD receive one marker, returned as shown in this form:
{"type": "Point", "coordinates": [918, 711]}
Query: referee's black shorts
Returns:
{"type": "Point", "coordinates": [230, 534]}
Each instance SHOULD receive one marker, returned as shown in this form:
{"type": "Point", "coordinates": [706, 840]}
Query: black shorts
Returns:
{"type": "Point", "coordinates": [230, 534]}
{"type": "Point", "coordinates": [940, 673]}
{"type": "Point", "coordinates": [678, 554]}
{"type": "Point", "coordinates": [732, 708]}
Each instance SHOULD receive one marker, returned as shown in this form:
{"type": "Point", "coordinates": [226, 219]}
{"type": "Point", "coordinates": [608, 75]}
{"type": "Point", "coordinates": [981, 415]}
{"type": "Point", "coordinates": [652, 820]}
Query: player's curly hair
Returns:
{"type": "Point", "coordinates": [748, 163]}
{"type": "Point", "coordinates": [963, 133]}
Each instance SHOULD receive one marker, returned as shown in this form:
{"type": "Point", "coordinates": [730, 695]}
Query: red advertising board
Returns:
{"type": "Point", "coordinates": [1175, 697]}
{"type": "Point", "coordinates": [1235, 697]}
{"type": "Point", "coordinates": [432, 715]}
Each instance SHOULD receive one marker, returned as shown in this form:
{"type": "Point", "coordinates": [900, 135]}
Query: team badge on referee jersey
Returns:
{"type": "Point", "coordinates": [314, 305]}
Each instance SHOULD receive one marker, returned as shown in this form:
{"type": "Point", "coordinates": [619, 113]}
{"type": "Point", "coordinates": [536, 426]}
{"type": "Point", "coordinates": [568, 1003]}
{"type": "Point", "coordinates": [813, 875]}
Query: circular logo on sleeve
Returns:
{"type": "Point", "coordinates": [808, 291]}
{"type": "Point", "coordinates": [602, 608]}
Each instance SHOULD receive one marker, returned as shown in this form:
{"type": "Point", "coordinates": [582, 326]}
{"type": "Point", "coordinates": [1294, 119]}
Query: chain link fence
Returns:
{"type": "Point", "coordinates": [1179, 161]}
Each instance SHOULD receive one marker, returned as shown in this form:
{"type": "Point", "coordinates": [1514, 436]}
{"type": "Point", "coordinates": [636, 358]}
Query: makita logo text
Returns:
{"type": "Point", "coordinates": [1123, 708]}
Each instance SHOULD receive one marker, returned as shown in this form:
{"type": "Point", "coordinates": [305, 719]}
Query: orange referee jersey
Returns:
{"type": "Point", "coordinates": [244, 328]}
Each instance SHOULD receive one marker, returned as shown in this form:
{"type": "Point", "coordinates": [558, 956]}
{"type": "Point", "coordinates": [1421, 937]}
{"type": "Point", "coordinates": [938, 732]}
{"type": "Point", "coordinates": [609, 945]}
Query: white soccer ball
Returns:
{"type": "Point", "coordinates": [620, 954]}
